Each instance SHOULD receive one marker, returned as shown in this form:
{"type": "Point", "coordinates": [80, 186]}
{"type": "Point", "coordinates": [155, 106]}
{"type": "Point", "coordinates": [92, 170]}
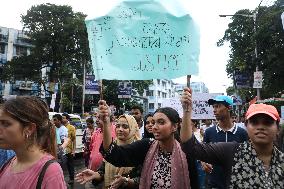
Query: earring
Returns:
{"type": "Point", "coordinates": [27, 136]}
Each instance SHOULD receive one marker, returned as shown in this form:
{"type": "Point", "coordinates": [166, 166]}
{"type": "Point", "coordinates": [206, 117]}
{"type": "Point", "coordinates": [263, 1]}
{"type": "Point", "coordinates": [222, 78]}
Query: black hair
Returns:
{"type": "Point", "coordinates": [90, 120]}
{"type": "Point", "coordinates": [146, 133]}
{"type": "Point", "coordinates": [57, 116]}
{"type": "Point", "coordinates": [30, 109]}
{"type": "Point", "coordinates": [67, 116]}
{"type": "Point", "coordinates": [171, 113]}
{"type": "Point", "coordinates": [137, 107]}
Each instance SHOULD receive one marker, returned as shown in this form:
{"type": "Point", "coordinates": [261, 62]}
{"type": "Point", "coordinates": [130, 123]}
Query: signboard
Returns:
{"type": "Point", "coordinates": [237, 100]}
{"type": "Point", "coordinates": [91, 85]}
{"type": "Point", "coordinates": [241, 80]}
{"type": "Point", "coordinates": [257, 79]}
{"type": "Point", "coordinates": [124, 89]}
{"type": "Point", "coordinates": [200, 107]}
{"type": "Point", "coordinates": [141, 40]}
{"type": "Point", "coordinates": [26, 85]}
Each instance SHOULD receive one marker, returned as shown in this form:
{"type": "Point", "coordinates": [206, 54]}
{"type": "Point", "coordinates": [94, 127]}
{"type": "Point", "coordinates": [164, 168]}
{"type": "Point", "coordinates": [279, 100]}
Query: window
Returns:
{"type": "Point", "coordinates": [164, 84]}
{"type": "Point", "coordinates": [159, 93]}
{"type": "Point", "coordinates": [151, 106]}
{"type": "Point", "coordinates": [159, 105]}
{"type": "Point", "coordinates": [150, 93]}
{"type": "Point", "coordinates": [21, 50]}
{"type": "Point", "coordinates": [164, 95]}
{"type": "Point", "coordinates": [2, 48]}
{"type": "Point", "coordinates": [158, 81]}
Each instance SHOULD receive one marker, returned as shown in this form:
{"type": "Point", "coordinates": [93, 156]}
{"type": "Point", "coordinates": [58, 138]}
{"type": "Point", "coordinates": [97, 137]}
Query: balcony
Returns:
{"type": "Point", "coordinates": [21, 41]}
{"type": "Point", "coordinates": [3, 38]}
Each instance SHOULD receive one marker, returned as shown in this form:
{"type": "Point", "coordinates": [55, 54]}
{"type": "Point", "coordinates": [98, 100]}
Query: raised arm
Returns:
{"type": "Point", "coordinates": [186, 128]}
{"type": "Point", "coordinates": [104, 115]}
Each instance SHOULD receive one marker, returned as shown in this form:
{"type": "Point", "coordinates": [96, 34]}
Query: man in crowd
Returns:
{"type": "Point", "coordinates": [137, 112]}
{"type": "Point", "coordinates": [70, 149]}
{"type": "Point", "coordinates": [62, 139]}
{"type": "Point", "coordinates": [224, 131]}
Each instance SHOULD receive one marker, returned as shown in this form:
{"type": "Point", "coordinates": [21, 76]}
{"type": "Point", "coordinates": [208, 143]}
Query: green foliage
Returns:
{"type": "Point", "coordinates": [60, 42]}
{"type": "Point", "coordinates": [268, 37]}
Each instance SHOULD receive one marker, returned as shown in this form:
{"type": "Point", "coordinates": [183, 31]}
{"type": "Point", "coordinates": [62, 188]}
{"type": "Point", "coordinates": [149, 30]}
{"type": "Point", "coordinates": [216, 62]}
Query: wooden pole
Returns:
{"type": "Point", "coordinates": [188, 85]}
{"type": "Point", "coordinates": [188, 81]}
{"type": "Point", "coordinates": [101, 90]}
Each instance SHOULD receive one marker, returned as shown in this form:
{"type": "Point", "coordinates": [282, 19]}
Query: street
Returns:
{"type": "Point", "coordinates": [79, 166]}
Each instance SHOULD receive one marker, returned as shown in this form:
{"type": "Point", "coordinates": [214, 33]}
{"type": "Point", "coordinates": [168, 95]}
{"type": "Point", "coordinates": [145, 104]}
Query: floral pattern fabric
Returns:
{"type": "Point", "coordinates": [161, 178]}
{"type": "Point", "coordinates": [248, 171]}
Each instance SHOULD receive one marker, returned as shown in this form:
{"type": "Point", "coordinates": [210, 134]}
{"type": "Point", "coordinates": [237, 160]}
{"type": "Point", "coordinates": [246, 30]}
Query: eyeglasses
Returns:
{"type": "Point", "coordinates": [124, 126]}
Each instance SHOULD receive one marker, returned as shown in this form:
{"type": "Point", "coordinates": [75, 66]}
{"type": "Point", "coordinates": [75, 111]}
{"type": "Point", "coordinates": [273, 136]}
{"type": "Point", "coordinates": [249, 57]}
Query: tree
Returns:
{"type": "Point", "coordinates": [60, 43]}
{"type": "Point", "coordinates": [268, 38]}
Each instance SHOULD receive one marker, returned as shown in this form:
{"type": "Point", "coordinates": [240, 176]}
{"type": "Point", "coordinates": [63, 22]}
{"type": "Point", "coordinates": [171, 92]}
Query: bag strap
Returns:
{"type": "Point", "coordinates": [42, 172]}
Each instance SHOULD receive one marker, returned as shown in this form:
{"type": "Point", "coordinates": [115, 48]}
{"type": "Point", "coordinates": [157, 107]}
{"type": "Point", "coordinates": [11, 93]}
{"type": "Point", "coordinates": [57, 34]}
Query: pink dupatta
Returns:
{"type": "Point", "coordinates": [179, 167]}
{"type": "Point", "coordinates": [96, 157]}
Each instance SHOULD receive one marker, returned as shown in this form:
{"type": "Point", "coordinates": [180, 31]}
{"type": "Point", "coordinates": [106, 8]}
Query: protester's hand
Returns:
{"type": "Point", "coordinates": [85, 176]}
{"type": "Point", "coordinates": [104, 111]}
{"type": "Point", "coordinates": [206, 167]}
{"type": "Point", "coordinates": [186, 99]}
{"type": "Point", "coordinates": [119, 180]}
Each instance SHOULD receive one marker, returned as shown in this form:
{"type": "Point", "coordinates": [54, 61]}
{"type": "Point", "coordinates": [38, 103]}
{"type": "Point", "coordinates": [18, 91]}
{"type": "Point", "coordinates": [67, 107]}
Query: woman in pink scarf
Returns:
{"type": "Point", "coordinates": [96, 157]}
{"type": "Point", "coordinates": [164, 163]}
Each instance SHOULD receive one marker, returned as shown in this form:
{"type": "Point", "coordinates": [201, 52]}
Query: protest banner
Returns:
{"type": "Point", "coordinates": [140, 40]}
{"type": "Point", "coordinates": [200, 107]}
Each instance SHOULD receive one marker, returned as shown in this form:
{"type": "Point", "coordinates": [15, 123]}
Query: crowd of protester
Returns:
{"type": "Point", "coordinates": [158, 150]}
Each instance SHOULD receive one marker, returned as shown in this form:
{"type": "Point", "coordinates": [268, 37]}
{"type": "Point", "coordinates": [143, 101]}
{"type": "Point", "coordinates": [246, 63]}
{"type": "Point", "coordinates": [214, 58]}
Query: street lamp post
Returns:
{"type": "Point", "coordinates": [255, 48]}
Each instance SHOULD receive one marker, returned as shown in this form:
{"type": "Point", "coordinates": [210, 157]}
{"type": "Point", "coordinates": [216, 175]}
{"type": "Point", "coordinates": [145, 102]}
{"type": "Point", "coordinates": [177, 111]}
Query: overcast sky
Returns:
{"type": "Point", "coordinates": [213, 59]}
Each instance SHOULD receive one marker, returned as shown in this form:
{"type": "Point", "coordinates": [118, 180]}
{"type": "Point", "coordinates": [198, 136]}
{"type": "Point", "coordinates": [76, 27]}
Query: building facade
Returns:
{"type": "Point", "coordinates": [159, 90]}
{"type": "Point", "coordinates": [14, 43]}
{"type": "Point", "coordinates": [198, 87]}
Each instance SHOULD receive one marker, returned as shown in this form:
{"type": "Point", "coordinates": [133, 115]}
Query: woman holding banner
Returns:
{"type": "Point", "coordinates": [164, 163]}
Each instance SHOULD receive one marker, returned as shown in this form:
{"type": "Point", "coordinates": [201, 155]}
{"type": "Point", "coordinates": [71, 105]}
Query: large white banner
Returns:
{"type": "Point", "coordinates": [200, 106]}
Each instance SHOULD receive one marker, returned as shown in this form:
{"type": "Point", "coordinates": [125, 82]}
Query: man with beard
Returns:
{"type": "Point", "coordinates": [224, 131]}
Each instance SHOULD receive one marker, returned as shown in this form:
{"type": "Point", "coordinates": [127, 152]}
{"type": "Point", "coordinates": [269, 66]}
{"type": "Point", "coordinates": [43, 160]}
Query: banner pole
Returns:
{"type": "Point", "coordinates": [101, 90]}
{"type": "Point", "coordinates": [188, 85]}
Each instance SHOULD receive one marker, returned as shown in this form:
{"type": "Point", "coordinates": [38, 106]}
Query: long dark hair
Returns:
{"type": "Point", "coordinates": [173, 116]}
{"type": "Point", "coordinates": [28, 109]}
{"type": "Point", "coordinates": [171, 113]}
{"type": "Point", "coordinates": [146, 132]}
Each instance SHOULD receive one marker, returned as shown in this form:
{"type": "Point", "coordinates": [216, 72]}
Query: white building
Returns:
{"type": "Point", "coordinates": [159, 90]}
{"type": "Point", "coordinates": [13, 43]}
{"type": "Point", "coordinates": [198, 87]}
